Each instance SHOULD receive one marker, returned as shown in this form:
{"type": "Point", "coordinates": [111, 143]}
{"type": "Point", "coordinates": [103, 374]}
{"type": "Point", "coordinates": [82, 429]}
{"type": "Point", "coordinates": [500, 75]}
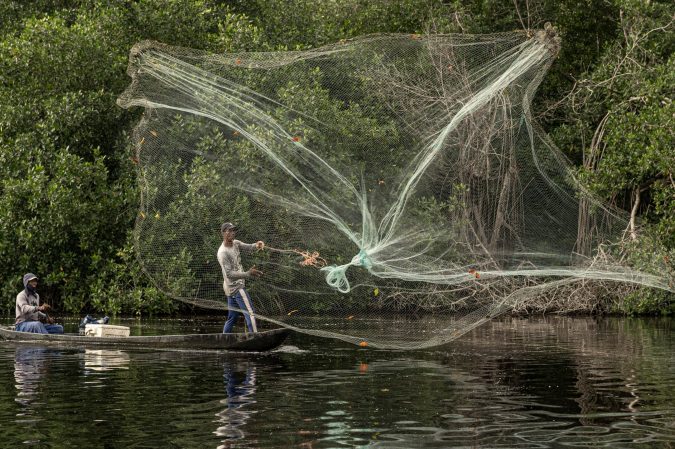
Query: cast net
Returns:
{"type": "Point", "coordinates": [389, 175]}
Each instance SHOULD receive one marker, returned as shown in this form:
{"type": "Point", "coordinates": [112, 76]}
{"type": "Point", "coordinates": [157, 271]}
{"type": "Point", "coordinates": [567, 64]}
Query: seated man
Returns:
{"type": "Point", "coordinates": [29, 312]}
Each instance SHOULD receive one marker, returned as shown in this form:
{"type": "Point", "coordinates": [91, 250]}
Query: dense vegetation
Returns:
{"type": "Point", "coordinates": [68, 196]}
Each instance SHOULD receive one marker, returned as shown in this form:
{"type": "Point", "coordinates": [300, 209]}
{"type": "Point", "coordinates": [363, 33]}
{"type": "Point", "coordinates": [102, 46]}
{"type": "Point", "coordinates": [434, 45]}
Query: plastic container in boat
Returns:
{"type": "Point", "coordinates": [105, 330]}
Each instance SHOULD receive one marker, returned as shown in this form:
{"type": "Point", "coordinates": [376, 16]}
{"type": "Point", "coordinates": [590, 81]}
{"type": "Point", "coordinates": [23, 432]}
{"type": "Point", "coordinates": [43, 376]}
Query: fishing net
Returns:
{"type": "Point", "coordinates": [397, 175]}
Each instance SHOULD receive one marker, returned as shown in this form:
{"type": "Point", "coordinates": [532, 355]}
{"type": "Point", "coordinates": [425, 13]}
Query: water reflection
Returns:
{"type": "Point", "coordinates": [240, 378]}
{"type": "Point", "coordinates": [105, 360]}
{"type": "Point", "coordinates": [31, 364]}
{"type": "Point", "coordinates": [535, 383]}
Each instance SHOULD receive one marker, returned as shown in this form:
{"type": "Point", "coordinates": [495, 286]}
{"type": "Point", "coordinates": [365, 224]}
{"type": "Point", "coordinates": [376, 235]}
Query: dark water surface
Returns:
{"type": "Point", "coordinates": [531, 383]}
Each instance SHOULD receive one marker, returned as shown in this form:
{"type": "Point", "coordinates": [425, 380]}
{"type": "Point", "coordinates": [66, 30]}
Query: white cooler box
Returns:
{"type": "Point", "coordinates": [105, 330]}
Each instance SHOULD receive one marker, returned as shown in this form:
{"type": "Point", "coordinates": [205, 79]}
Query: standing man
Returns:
{"type": "Point", "coordinates": [234, 277]}
{"type": "Point", "coordinates": [30, 313]}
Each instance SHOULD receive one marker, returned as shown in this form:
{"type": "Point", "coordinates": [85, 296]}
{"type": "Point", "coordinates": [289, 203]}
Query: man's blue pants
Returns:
{"type": "Point", "coordinates": [36, 327]}
{"type": "Point", "coordinates": [236, 302]}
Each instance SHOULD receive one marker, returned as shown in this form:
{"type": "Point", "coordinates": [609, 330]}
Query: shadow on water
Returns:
{"type": "Point", "coordinates": [532, 383]}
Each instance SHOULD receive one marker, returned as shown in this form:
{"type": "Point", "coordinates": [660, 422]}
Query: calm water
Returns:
{"type": "Point", "coordinates": [531, 383]}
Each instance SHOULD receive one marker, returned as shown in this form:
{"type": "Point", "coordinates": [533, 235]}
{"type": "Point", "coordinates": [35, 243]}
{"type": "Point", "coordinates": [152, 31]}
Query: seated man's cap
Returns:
{"type": "Point", "coordinates": [28, 277]}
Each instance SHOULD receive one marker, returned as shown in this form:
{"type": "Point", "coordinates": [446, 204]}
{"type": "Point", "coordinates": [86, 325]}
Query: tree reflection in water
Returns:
{"type": "Point", "coordinates": [240, 385]}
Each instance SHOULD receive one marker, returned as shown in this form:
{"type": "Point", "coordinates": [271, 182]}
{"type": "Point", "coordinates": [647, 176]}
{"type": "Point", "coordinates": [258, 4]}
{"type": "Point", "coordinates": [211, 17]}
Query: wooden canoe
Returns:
{"type": "Point", "coordinates": [260, 341]}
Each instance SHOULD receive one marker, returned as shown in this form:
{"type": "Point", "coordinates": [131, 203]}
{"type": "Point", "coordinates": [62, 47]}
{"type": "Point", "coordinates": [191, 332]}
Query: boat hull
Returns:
{"type": "Point", "coordinates": [261, 341]}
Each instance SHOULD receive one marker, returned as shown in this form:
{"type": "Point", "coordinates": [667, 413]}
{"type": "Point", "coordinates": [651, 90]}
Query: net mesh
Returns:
{"type": "Point", "coordinates": [397, 174]}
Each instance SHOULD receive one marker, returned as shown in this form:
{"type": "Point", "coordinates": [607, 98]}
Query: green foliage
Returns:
{"type": "Point", "coordinates": [189, 24]}
{"type": "Point", "coordinates": [648, 302]}
{"type": "Point", "coordinates": [619, 119]}
{"type": "Point", "coordinates": [303, 24]}
{"type": "Point", "coordinates": [119, 286]}
{"type": "Point", "coordinates": [353, 127]}
{"type": "Point", "coordinates": [639, 146]}
{"type": "Point", "coordinates": [54, 208]}
{"type": "Point", "coordinates": [67, 185]}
